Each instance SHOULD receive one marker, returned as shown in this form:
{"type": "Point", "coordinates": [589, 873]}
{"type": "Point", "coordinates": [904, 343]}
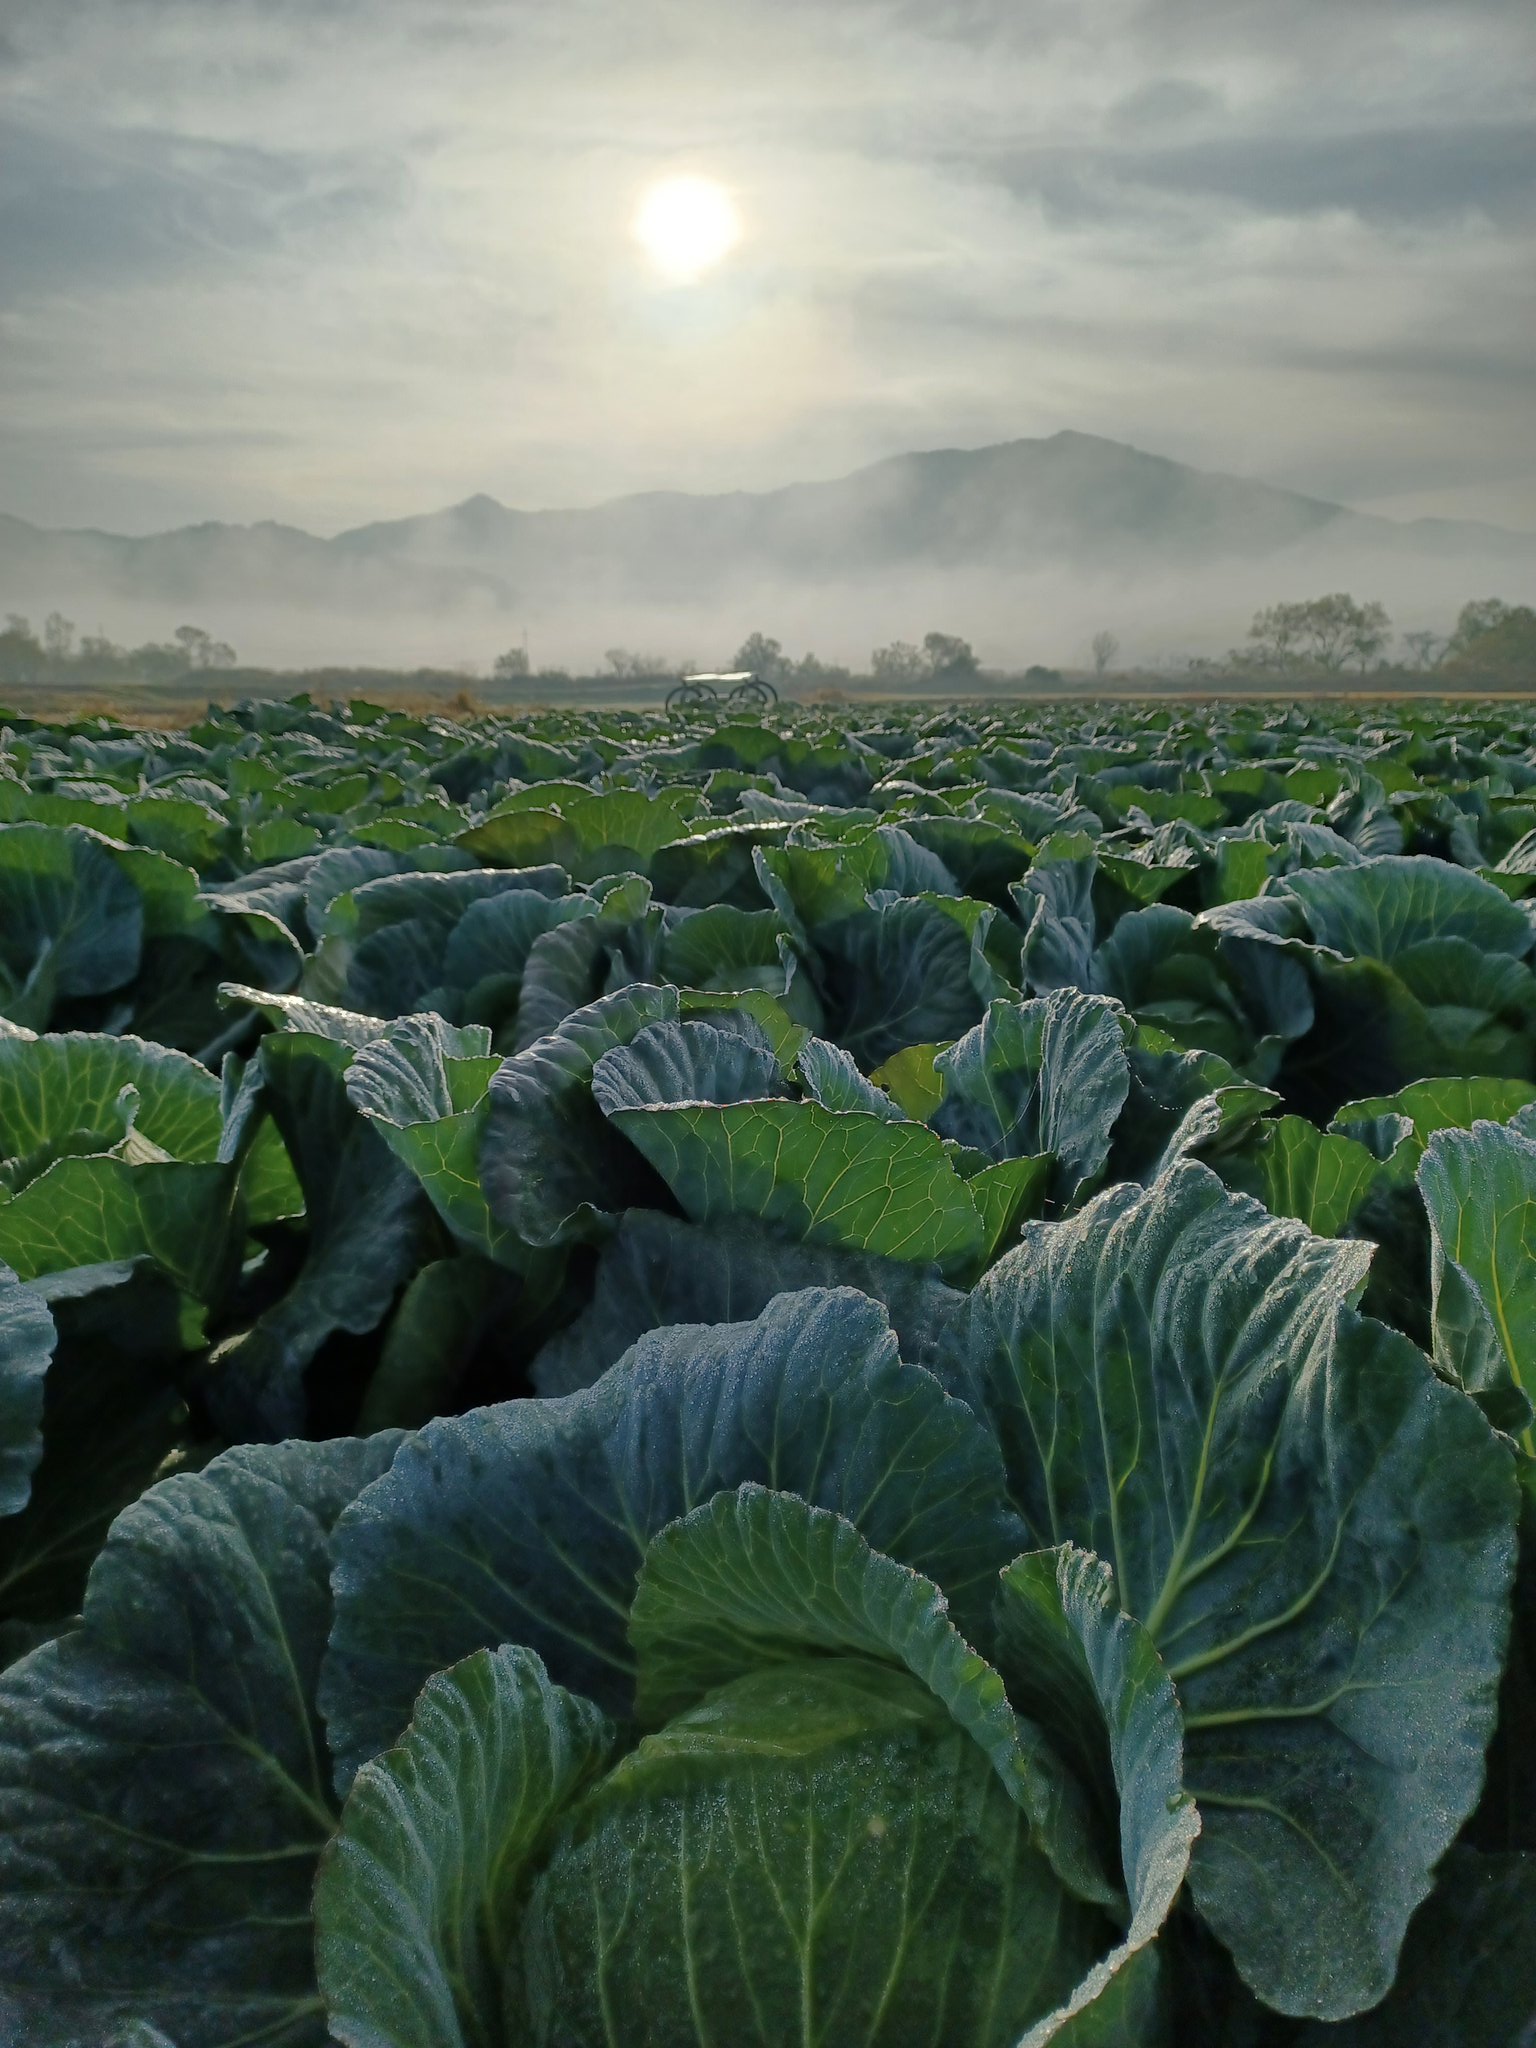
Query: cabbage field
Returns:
{"type": "Point", "coordinates": [807, 1379]}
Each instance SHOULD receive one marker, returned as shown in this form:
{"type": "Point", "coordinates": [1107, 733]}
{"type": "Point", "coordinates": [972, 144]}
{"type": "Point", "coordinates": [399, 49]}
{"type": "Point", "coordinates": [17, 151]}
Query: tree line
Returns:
{"type": "Point", "coordinates": [1299, 640]}
{"type": "Point", "coordinates": [942, 659]}
{"type": "Point", "coordinates": [1336, 635]}
{"type": "Point", "coordinates": [60, 654]}
{"type": "Point", "coordinates": [1310, 639]}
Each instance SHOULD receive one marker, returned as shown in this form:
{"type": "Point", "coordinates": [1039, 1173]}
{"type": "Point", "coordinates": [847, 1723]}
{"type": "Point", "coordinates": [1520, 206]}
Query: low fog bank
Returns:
{"type": "Point", "coordinates": [1026, 550]}
{"type": "Point", "coordinates": [1161, 618]}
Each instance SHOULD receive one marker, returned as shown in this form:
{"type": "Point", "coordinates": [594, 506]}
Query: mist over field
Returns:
{"type": "Point", "coordinates": [1027, 550]}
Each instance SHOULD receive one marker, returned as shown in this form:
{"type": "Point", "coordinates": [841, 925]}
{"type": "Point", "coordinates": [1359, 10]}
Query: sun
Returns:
{"type": "Point", "coordinates": [685, 226]}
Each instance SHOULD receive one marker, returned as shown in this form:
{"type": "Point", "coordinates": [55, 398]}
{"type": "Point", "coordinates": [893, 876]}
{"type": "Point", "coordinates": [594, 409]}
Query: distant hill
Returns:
{"type": "Point", "coordinates": [1074, 504]}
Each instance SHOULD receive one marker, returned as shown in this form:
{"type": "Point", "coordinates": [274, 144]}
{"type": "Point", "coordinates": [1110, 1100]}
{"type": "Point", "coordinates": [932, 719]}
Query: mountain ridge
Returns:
{"type": "Point", "coordinates": [482, 502]}
{"type": "Point", "coordinates": [1057, 528]}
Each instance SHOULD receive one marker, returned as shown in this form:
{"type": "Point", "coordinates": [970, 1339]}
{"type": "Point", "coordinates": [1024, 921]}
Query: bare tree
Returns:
{"type": "Point", "coordinates": [100, 652]}
{"type": "Point", "coordinates": [1324, 633]}
{"type": "Point", "coordinates": [624, 661]}
{"type": "Point", "coordinates": [764, 656]}
{"type": "Point", "coordinates": [898, 665]}
{"type": "Point", "coordinates": [1105, 646]}
{"type": "Point", "coordinates": [201, 650]}
{"type": "Point", "coordinates": [1482, 615]}
{"type": "Point", "coordinates": [58, 637]}
{"type": "Point", "coordinates": [510, 666]}
{"type": "Point", "coordinates": [942, 658]}
{"type": "Point", "coordinates": [1496, 641]}
{"type": "Point", "coordinates": [949, 658]}
{"type": "Point", "coordinates": [812, 670]}
{"type": "Point", "coordinates": [1425, 650]}
{"type": "Point", "coordinates": [21, 652]}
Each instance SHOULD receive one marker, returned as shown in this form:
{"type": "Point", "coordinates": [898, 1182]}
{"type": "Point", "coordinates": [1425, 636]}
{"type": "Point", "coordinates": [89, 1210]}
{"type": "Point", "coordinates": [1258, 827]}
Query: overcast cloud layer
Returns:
{"type": "Point", "coordinates": [334, 260]}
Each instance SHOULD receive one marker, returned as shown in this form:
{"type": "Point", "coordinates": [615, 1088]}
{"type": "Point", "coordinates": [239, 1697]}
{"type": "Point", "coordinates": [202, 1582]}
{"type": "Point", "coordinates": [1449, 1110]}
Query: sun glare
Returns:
{"type": "Point", "coordinates": [685, 226]}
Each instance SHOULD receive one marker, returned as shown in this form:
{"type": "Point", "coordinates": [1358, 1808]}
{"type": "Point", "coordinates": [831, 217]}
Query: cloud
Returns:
{"type": "Point", "coordinates": [1164, 103]}
{"type": "Point", "coordinates": [1389, 178]}
{"type": "Point", "coordinates": [1393, 176]}
{"type": "Point", "coordinates": [138, 208]}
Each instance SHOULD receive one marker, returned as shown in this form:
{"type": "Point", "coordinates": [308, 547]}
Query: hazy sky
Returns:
{"type": "Point", "coordinates": [332, 260]}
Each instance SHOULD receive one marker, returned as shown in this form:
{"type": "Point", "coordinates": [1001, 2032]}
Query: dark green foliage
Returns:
{"type": "Point", "coordinates": [962, 1288]}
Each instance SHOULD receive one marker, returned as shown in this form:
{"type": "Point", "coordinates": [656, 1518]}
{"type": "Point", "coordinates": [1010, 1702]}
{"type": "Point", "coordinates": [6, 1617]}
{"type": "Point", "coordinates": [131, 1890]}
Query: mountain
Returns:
{"type": "Point", "coordinates": [1073, 506]}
